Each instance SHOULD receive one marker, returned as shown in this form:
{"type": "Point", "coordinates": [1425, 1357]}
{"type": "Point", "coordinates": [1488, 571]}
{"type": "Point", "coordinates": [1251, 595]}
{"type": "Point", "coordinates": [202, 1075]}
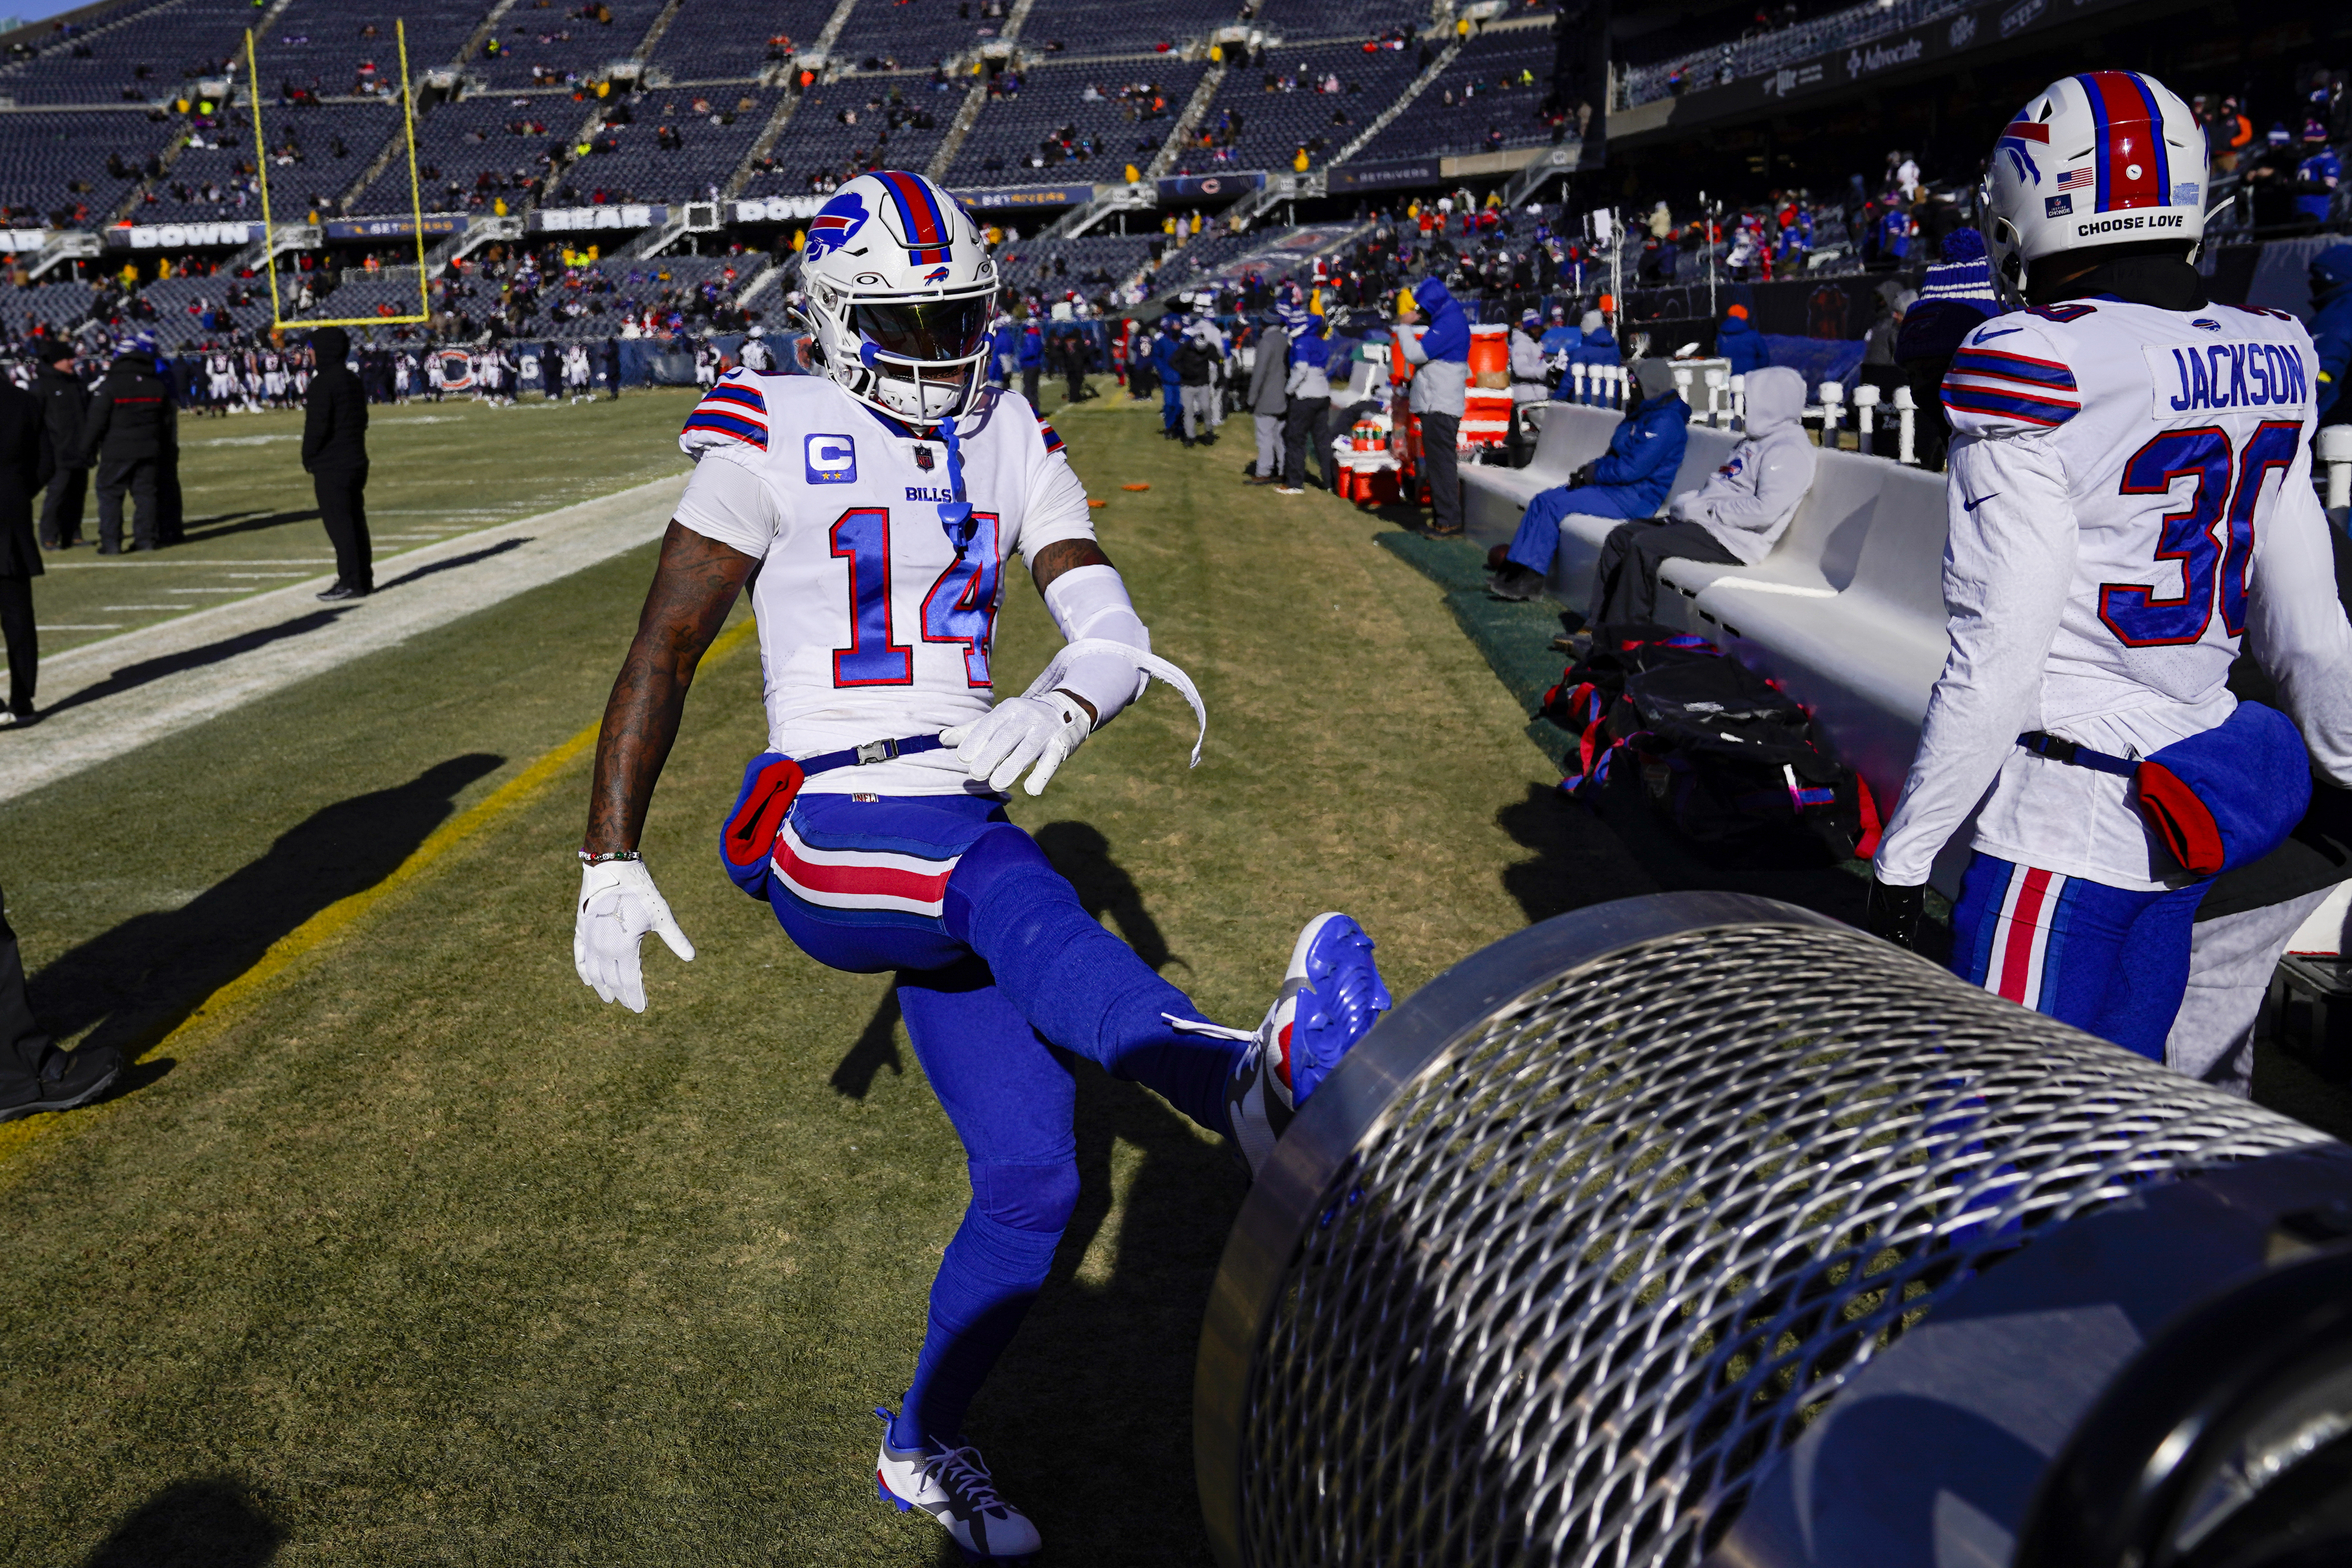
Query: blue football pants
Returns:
{"type": "Point", "coordinates": [1002, 976]}
{"type": "Point", "coordinates": [1538, 540]}
{"type": "Point", "coordinates": [2110, 962]}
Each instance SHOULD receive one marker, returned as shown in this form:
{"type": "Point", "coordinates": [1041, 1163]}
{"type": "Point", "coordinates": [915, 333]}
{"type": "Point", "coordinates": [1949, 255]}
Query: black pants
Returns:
{"type": "Point", "coordinates": [343, 507]}
{"type": "Point", "coordinates": [22, 1044]}
{"type": "Point", "coordinates": [136, 477]}
{"type": "Point", "coordinates": [23, 646]}
{"type": "Point", "coordinates": [1076, 375]}
{"type": "Point", "coordinates": [1625, 583]}
{"type": "Point", "coordinates": [1302, 427]}
{"type": "Point", "coordinates": [171, 509]}
{"type": "Point", "coordinates": [1029, 385]}
{"type": "Point", "coordinates": [1438, 434]}
{"type": "Point", "coordinates": [61, 506]}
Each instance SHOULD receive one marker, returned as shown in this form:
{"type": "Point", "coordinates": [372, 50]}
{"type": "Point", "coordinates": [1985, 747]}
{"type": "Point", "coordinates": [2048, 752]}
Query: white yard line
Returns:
{"type": "Point", "coordinates": [107, 698]}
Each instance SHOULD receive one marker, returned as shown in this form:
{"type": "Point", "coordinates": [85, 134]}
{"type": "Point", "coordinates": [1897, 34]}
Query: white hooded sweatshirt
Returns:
{"type": "Point", "coordinates": [1746, 505]}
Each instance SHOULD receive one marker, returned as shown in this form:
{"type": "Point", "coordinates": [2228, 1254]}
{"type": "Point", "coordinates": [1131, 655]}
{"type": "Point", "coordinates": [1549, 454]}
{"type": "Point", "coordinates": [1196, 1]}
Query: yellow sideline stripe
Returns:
{"type": "Point", "coordinates": [224, 1007]}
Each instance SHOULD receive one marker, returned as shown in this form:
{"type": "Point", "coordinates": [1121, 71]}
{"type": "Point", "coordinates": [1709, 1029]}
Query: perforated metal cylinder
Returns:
{"type": "Point", "coordinates": [1589, 1227]}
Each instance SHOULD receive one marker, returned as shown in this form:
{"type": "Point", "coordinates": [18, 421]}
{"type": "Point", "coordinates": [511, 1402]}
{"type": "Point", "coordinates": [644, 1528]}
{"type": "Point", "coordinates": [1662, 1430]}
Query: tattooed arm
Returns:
{"type": "Point", "coordinates": [694, 587]}
{"type": "Point", "coordinates": [1064, 555]}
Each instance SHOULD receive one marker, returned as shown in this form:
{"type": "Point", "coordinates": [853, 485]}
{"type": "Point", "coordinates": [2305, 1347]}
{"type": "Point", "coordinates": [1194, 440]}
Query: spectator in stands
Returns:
{"type": "Point", "coordinates": [65, 401]}
{"type": "Point", "coordinates": [1954, 298]}
{"type": "Point", "coordinates": [133, 436]}
{"type": "Point", "coordinates": [1440, 355]}
{"type": "Point", "coordinates": [1268, 402]}
{"type": "Point", "coordinates": [1560, 339]}
{"type": "Point", "coordinates": [1629, 481]}
{"type": "Point", "coordinates": [1308, 388]}
{"type": "Point", "coordinates": [35, 1075]}
{"type": "Point", "coordinates": [2331, 331]}
{"type": "Point", "coordinates": [1736, 339]}
{"type": "Point", "coordinates": [27, 460]}
{"type": "Point", "coordinates": [334, 454]}
{"type": "Point", "coordinates": [1734, 520]}
{"type": "Point", "coordinates": [2316, 178]}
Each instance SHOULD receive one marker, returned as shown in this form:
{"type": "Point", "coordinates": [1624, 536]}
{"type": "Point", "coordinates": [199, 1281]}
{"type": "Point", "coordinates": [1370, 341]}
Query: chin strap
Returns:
{"type": "Point", "coordinates": [1149, 664]}
{"type": "Point", "coordinates": [955, 516]}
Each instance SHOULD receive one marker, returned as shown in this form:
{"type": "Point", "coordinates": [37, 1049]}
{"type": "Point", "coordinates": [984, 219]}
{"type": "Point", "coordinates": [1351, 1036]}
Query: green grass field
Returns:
{"type": "Point", "coordinates": [397, 1247]}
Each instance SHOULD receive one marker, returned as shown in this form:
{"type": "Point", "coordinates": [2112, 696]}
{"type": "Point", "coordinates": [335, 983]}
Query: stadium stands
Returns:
{"type": "Point", "coordinates": [1262, 115]}
{"type": "Point", "coordinates": [140, 54]}
{"type": "Point", "coordinates": [905, 35]}
{"type": "Point", "coordinates": [721, 43]}
{"type": "Point", "coordinates": [330, 146]}
{"type": "Point", "coordinates": [1487, 100]}
{"type": "Point", "coordinates": [1018, 137]}
{"type": "Point", "coordinates": [341, 47]}
{"type": "Point", "coordinates": [62, 164]}
{"type": "Point", "coordinates": [1720, 63]}
{"type": "Point", "coordinates": [684, 143]}
{"type": "Point", "coordinates": [471, 152]}
{"type": "Point", "coordinates": [1089, 28]}
{"type": "Point", "coordinates": [551, 46]}
{"type": "Point", "coordinates": [1088, 263]}
{"type": "Point", "coordinates": [845, 127]}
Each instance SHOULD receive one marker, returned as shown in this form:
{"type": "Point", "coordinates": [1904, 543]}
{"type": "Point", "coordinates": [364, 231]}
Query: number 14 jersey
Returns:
{"type": "Point", "coordinates": [871, 625]}
{"type": "Point", "coordinates": [2130, 494]}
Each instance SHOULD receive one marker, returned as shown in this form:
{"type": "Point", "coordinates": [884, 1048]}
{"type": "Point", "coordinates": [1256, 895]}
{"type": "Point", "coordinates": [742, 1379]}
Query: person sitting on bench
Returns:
{"type": "Point", "coordinates": [1733, 520]}
{"type": "Point", "coordinates": [1630, 479]}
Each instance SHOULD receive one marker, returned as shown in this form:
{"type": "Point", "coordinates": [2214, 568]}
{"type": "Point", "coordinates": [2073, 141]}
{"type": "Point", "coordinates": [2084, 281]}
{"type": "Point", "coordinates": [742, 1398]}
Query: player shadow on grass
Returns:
{"type": "Point", "coordinates": [212, 1524]}
{"type": "Point", "coordinates": [130, 676]}
{"type": "Point", "coordinates": [223, 525]}
{"type": "Point", "coordinates": [471, 558]}
{"type": "Point", "coordinates": [132, 985]}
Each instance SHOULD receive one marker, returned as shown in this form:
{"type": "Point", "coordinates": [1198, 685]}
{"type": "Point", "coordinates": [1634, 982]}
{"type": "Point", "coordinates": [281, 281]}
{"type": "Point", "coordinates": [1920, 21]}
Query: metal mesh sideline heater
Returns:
{"type": "Point", "coordinates": [1698, 1229]}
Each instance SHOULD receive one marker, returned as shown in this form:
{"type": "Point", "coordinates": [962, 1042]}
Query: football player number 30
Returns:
{"type": "Point", "coordinates": [2227, 484]}
{"type": "Point", "coordinates": [961, 607]}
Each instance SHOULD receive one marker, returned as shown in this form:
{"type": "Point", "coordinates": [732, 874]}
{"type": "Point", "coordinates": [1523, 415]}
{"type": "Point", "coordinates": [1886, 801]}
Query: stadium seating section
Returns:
{"type": "Point", "coordinates": [544, 44]}
{"type": "Point", "coordinates": [1496, 84]}
{"type": "Point", "coordinates": [1285, 104]}
{"type": "Point", "coordinates": [1015, 139]}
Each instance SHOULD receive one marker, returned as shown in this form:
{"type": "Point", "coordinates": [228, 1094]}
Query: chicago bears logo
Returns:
{"type": "Point", "coordinates": [834, 225]}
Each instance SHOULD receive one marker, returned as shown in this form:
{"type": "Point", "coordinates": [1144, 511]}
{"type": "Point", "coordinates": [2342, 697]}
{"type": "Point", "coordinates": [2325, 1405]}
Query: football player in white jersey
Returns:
{"type": "Point", "coordinates": [2129, 496]}
{"type": "Point", "coordinates": [874, 510]}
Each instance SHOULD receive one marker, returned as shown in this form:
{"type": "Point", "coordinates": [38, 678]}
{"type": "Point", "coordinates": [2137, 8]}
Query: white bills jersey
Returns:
{"type": "Point", "coordinates": [872, 625]}
{"type": "Point", "coordinates": [2129, 495]}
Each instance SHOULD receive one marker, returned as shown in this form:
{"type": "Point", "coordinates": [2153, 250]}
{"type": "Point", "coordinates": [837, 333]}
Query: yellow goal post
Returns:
{"type": "Point", "coordinates": [416, 201]}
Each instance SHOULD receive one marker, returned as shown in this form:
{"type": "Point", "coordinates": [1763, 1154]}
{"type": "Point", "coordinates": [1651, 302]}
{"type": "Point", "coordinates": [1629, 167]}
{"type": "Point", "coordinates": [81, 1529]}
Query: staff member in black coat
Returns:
{"type": "Point", "coordinates": [34, 1074]}
{"type": "Point", "coordinates": [66, 402]}
{"type": "Point", "coordinates": [334, 454]}
{"type": "Point", "coordinates": [26, 462]}
{"type": "Point", "coordinates": [133, 437]}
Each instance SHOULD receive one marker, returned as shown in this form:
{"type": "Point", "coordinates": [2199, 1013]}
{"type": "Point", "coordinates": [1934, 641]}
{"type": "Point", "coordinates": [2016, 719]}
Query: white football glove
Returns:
{"type": "Point", "coordinates": [1044, 729]}
{"type": "Point", "coordinates": [618, 904]}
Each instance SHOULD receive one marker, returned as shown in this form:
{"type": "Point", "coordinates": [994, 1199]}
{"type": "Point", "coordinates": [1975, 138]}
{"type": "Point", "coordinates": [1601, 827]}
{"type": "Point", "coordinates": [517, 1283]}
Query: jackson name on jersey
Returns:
{"type": "Point", "coordinates": [872, 625]}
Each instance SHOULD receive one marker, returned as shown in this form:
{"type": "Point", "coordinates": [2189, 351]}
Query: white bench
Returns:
{"type": "Point", "coordinates": [1567, 438]}
{"type": "Point", "coordinates": [1814, 559]}
{"type": "Point", "coordinates": [1865, 657]}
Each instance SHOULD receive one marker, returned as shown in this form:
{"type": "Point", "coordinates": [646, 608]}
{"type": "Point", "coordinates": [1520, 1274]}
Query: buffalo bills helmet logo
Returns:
{"type": "Point", "coordinates": [835, 224]}
{"type": "Point", "coordinates": [938, 274]}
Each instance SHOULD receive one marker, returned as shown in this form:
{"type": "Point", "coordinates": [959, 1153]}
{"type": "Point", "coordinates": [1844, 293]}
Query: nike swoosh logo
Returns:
{"type": "Point", "coordinates": [1973, 505]}
{"type": "Point", "coordinates": [1987, 337]}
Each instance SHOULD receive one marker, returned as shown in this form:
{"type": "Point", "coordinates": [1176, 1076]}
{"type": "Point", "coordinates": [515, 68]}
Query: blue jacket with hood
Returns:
{"type": "Point", "coordinates": [1738, 341]}
{"type": "Point", "coordinates": [1644, 454]}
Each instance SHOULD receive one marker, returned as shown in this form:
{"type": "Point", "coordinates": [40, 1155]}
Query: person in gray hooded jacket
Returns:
{"type": "Point", "coordinates": [1733, 520]}
{"type": "Point", "coordinates": [1266, 399]}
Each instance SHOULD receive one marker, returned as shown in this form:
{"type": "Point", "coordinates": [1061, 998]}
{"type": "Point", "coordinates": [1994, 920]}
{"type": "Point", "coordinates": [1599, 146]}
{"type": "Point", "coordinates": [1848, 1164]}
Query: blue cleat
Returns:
{"type": "Point", "coordinates": [1331, 997]}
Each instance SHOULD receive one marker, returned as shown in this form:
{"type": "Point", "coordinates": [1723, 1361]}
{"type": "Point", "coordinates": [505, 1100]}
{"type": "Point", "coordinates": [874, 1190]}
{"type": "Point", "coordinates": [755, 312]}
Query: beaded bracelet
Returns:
{"type": "Point", "coordinates": [588, 859]}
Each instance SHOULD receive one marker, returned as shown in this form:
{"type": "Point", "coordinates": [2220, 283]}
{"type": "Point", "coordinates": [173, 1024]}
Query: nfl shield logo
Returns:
{"type": "Point", "coordinates": [923, 457]}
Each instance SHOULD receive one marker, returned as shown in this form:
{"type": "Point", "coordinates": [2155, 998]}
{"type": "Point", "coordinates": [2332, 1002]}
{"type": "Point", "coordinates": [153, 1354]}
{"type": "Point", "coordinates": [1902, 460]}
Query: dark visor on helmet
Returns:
{"type": "Point", "coordinates": [925, 329]}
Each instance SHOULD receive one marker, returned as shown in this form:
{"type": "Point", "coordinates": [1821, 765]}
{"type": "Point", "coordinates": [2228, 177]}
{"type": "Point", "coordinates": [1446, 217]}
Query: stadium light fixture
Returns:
{"type": "Point", "coordinates": [416, 201]}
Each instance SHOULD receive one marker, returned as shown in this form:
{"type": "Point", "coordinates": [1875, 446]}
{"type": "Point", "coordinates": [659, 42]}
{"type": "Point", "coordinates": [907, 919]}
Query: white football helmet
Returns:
{"type": "Point", "coordinates": [2104, 158]}
{"type": "Point", "coordinates": [900, 294]}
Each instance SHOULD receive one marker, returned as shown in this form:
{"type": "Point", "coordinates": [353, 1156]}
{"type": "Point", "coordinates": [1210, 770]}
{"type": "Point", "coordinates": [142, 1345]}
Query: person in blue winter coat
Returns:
{"type": "Point", "coordinates": [1595, 346]}
{"type": "Point", "coordinates": [1030, 353]}
{"type": "Point", "coordinates": [1002, 344]}
{"type": "Point", "coordinates": [1738, 341]}
{"type": "Point", "coordinates": [1440, 380]}
{"type": "Point", "coordinates": [1629, 480]}
{"type": "Point", "coordinates": [2331, 331]}
{"type": "Point", "coordinates": [1560, 338]}
{"type": "Point", "coordinates": [1171, 387]}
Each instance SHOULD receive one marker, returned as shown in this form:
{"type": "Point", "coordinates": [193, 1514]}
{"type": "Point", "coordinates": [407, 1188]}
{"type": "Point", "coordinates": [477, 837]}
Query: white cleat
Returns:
{"type": "Point", "coordinates": [953, 1487]}
{"type": "Point", "coordinates": [1331, 997]}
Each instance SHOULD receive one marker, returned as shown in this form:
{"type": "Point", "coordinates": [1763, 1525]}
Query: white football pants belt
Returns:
{"type": "Point", "coordinates": [1149, 664]}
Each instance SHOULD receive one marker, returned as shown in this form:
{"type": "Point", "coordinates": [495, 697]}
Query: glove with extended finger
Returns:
{"type": "Point", "coordinates": [618, 904]}
{"type": "Point", "coordinates": [1894, 913]}
{"type": "Point", "coordinates": [1042, 730]}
